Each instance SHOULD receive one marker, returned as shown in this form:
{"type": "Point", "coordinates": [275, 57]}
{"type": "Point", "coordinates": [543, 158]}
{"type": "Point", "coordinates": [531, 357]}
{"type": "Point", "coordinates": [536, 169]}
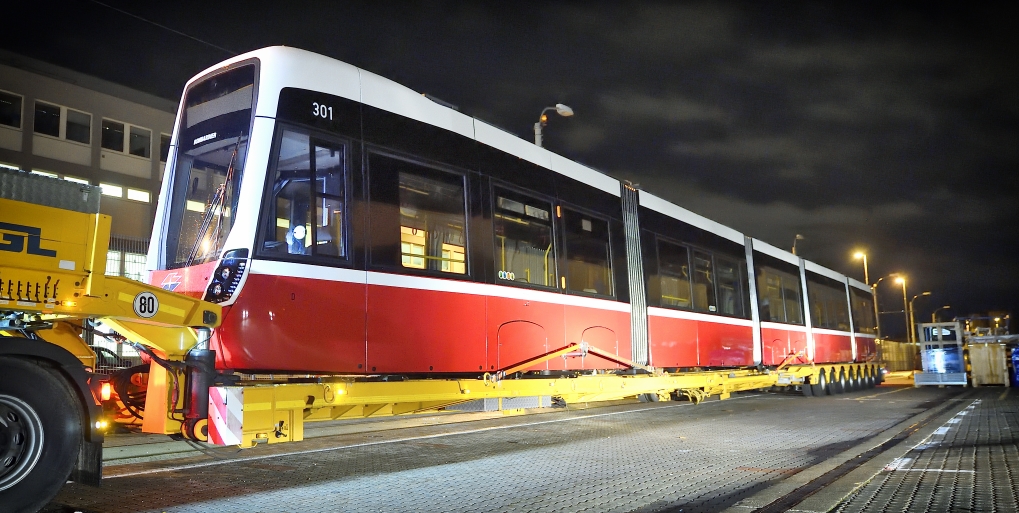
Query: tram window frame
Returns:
{"type": "Point", "coordinates": [829, 308]}
{"type": "Point", "coordinates": [587, 219]}
{"type": "Point", "coordinates": [386, 234]}
{"type": "Point", "coordinates": [863, 311]}
{"type": "Point", "coordinates": [738, 290]}
{"type": "Point", "coordinates": [659, 241]}
{"type": "Point", "coordinates": [762, 272]}
{"type": "Point", "coordinates": [526, 199]}
{"type": "Point", "coordinates": [317, 251]}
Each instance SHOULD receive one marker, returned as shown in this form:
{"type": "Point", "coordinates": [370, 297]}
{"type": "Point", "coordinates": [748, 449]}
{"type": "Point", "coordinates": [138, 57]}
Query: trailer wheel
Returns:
{"type": "Point", "coordinates": [871, 380]}
{"type": "Point", "coordinates": [853, 383]}
{"type": "Point", "coordinates": [807, 389]}
{"type": "Point", "coordinates": [40, 434]}
{"type": "Point", "coordinates": [835, 383]}
{"type": "Point", "coordinates": [821, 387]}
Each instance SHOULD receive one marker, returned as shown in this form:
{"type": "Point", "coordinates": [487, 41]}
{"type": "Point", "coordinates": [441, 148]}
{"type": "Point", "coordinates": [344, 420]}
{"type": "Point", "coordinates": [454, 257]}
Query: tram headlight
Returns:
{"type": "Point", "coordinates": [227, 276]}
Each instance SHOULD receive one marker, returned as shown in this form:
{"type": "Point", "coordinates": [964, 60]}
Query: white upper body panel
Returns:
{"type": "Point", "coordinates": [291, 67]}
{"type": "Point", "coordinates": [859, 284]}
{"type": "Point", "coordinates": [676, 212]}
{"type": "Point", "coordinates": [775, 252]}
{"type": "Point", "coordinates": [824, 271]}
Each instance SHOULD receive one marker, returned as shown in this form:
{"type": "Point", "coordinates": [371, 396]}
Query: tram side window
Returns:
{"type": "Point", "coordinates": [432, 221]}
{"type": "Point", "coordinates": [863, 312]}
{"type": "Point", "coordinates": [730, 298]}
{"type": "Point", "coordinates": [828, 306]}
{"type": "Point", "coordinates": [779, 296]}
{"type": "Point", "coordinates": [307, 204]}
{"type": "Point", "coordinates": [674, 274]}
{"type": "Point", "coordinates": [704, 283]}
{"type": "Point", "coordinates": [524, 249]}
{"type": "Point", "coordinates": [588, 261]}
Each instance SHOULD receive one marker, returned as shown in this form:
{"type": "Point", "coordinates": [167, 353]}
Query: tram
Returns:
{"type": "Point", "coordinates": [349, 225]}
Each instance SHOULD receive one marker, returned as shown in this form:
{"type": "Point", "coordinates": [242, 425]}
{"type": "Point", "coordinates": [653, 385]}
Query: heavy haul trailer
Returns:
{"type": "Point", "coordinates": [51, 422]}
{"type": "Point", "coordinates": [53, 245]}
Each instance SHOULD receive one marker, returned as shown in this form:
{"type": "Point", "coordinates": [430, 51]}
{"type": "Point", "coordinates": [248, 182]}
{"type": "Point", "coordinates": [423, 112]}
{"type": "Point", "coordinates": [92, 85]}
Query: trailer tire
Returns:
{"type": "Point", "coordinates": [821, 387]}
{"type": "Point", "coordinates": [807, 389]}
{"type": "Point", "coordinates": [40, 437]}
{"type": "Point", "coordinates": [835, 383]}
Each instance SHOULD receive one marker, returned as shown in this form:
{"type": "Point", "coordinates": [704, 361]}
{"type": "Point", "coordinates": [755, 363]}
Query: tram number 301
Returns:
{"type": "Point", "coordinates": [322, 111]}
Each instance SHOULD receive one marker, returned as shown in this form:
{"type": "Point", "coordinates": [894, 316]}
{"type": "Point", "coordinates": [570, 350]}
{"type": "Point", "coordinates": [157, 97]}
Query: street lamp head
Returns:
{"type": "Point", "coordinates": [563, 110]}
{"type": "Point", "coordinates": [859, 254]}
{"type": "Point", "coordinates": [927, 293]}
{"type": "Point", "coordinates": [800, 237]}
{"type": "Point", "coordinates": [900, 280]}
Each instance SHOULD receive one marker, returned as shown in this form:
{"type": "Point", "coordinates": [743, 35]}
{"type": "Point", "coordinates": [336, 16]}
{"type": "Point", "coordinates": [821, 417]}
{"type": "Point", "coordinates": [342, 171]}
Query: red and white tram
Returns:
{"type": "Point", "coordinates": [350, 225]}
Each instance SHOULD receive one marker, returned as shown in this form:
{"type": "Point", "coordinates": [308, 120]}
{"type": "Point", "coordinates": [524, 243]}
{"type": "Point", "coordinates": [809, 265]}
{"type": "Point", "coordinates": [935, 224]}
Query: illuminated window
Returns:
{"type": "Point", "coordinates": [524, 249]}
{"type": "Point", "coordinates": [779, 296]}
{"type": "Point", "coordinates": [112, 190]}
{"type": "Point", "coordinates": [76, 179]}
{"type": "Point", "coordinates": [674, 274]}
{"type": "Point", "coordinates": [44, 173]}
{"type": "Point", "coordinates": [588, 259]}
{"type": "Point", "coordinates": [136, 195]}
{"type": "Point", "coordinates": [412, 247]}
{"type": "Point", "coordinates": [704, 283]}
{"type": "Point", "coordinates": [308, 198]}
{"type": "Point", "coordinates": [730, 289]}
{"type": "Point", "coordinates": [432, 224]}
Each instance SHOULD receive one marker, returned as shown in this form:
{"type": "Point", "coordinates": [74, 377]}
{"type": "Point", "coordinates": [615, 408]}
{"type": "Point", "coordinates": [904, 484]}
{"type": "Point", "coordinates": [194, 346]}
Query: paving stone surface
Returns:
{"type": "Point", "coordinates": [970, 463]}
{"type": "Point", "coordinates": [633, 457]}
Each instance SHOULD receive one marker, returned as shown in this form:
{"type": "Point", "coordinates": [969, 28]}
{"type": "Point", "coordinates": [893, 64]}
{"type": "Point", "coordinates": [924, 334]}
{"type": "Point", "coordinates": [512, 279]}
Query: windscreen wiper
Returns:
{"type": "Point", "coordinates": [214, 209]}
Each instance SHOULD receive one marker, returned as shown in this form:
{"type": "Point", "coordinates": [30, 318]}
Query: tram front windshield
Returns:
{"type": "Point", "coordinates": [206, 173]}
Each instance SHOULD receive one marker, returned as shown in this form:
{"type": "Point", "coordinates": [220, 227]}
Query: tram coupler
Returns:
{"type": "Point", "coordinates": [201, 372]}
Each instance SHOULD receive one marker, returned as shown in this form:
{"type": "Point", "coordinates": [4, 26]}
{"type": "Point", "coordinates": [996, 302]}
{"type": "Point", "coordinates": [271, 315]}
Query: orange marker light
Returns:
{"type": "Point", "coordinates": [105, 391]}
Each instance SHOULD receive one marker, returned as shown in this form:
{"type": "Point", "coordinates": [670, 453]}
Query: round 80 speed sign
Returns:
{"type": "Point", "coordinates": [146, 305]}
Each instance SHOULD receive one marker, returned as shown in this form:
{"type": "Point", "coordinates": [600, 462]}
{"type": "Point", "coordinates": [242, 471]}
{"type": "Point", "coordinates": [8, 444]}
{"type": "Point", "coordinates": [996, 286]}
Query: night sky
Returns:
{"type": "Point", "coordinates": [879, 127]}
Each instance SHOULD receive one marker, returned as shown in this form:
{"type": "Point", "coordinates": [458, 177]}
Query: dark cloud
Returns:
{"type": "Point", "coordinates": [875, 125]}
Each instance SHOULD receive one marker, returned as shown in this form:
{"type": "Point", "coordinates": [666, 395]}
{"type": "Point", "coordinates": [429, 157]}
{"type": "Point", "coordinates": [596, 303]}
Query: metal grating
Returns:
{"type": "Point", "coordinates": [49, 192]}
{"type": "Point", "coordinates": [939, 378]}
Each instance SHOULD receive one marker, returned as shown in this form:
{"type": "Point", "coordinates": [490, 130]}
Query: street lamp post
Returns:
{"type": "Point", "coordinates": [912, 320]}
{"type": "Point", "coordinates": [560, 109]}
{"type": "Point", "coordinates": [873, 291]}
{"type": "Point", "coordinates": [934, 314]}
{"type": "Point", "coordinates": [905, 307]}
{"type": "Point", "coordinates": [795, 240]}
{"type": "Point", "coordinates": [877, 313]}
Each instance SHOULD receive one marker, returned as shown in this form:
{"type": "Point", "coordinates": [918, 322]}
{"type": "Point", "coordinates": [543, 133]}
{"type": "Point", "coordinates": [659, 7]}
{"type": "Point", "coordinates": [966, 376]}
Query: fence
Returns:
{"type": "Point", "coordinates": [126, 257]}
{"type": "Point", "coordinates": [898, 356]}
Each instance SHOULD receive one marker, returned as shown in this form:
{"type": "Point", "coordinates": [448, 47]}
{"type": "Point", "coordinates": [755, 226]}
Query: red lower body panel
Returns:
{"type": "Point", "coordinates": [306, 325]}
{"type": "Point", "coordinates": [294, 324]}
{"type": "Point", "coordinates": [832, 348]}
{"type": "Point", "coordinates": [673, 342]}
{"type": "Point", "coordinates": [866, 349]}
{"type": "Point", "coordinates": [777, 344]}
